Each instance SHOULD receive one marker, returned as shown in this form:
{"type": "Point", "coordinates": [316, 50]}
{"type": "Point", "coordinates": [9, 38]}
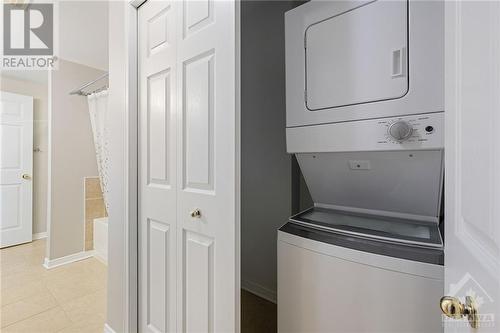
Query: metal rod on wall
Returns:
{"type": "Point", "coordinates": [79, 91]}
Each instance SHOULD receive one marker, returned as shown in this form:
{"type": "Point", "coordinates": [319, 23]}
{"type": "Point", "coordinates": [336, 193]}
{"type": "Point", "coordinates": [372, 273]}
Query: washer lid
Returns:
{"type": "Point", "coordinates": [389, 229]}
{"type": "Point", "coordinates": [403, 183]}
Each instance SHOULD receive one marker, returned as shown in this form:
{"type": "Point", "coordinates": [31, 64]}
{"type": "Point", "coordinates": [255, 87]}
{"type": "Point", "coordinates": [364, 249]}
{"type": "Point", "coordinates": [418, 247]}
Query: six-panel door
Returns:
{"type": "Point", "coordinates": [16, 168]}
{"type": "Point", "coordinates": [188, 164]}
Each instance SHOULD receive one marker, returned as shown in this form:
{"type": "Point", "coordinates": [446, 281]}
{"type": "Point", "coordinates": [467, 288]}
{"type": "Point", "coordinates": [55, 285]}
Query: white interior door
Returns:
{"type": "Point", "coordinates": [16, 168]}
{"type": "Point", "coordinates": [157, 179]}
{"type": "Point", "coordinates": [206, 165]}
{"type": "Point", "coordinates": [188, 140]}
{"type": "Point", "coordinates": [472, 193]}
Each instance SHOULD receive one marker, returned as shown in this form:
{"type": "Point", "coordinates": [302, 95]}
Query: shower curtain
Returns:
{"type": "Point", "coordinates": [98, 111]}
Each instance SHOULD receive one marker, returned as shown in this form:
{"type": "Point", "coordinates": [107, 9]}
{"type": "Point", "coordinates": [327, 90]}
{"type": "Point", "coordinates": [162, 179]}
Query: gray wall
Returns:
{"type": "Point", "coordinates": [266, 168]}
{"type": "Point", "coordinates": [72, 157]}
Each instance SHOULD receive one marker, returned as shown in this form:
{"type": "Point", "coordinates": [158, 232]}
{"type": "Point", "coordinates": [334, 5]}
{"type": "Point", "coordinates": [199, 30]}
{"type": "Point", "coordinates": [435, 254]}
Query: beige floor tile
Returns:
{"type": "Point", "coordinates": [53, 320]}
{"type": "Point", "coordinates": [30, 274]}
{"type": "Point", "coordinates": [64, 292]}
{"type": "Point", "coordinates": [23, 309]}
{"type": "Point", "coordinates": [75, 281]}
{"type": "Point", "coordinates": [10, 253]}
{"type": "Point", "coordinates": [73, 271]}
{"type": "Point", "coordinates": [88, 269]}
{"type": "Point", "coordinates": [35, 261]}
{"type": "Point", "coordinates": [11, 256]}
{"type": "Point", "coordinates": [21, 291]}
{"type": "Point", "coordinates": [90, 325]}
{"type": "Point", "coordinates": [21, 258]}
{"type": "Point", "coordinates": [82, 308]}
{"type": "Point", "coordinates": [35, 253]}
{"type": "Point", "coordinates": [95, 266]}
{"type": "Point", "coordinates": [71, 298]}
{"type": "Point", "coordinates": [9, 268]}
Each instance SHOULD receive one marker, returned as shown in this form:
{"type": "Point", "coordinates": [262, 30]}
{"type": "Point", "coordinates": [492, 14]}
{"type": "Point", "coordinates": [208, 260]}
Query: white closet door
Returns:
{"type": "Point", "coordinates": [188, 164]}
{"type": "Point", "coordinates": [157, 163]}
{"type": "Point", "coordinates": [206, 166]}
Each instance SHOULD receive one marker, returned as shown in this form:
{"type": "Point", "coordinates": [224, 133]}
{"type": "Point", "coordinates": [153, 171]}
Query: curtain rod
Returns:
{"type": "Point", "coordinates": [79, 91]}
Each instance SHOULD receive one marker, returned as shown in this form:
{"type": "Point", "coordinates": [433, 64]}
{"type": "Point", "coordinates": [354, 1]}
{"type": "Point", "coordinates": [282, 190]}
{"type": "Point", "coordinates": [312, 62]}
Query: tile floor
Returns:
{"type": "Point", "coordinates": [69, 298]}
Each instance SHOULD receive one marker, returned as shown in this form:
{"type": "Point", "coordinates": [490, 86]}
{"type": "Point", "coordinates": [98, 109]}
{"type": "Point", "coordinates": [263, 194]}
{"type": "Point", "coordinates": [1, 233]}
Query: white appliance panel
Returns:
{"type": "Point", "coordinates": [358, 56]}
{"type": "Point", "coordinates": [326, 288]}
{"type": "Point", "coordinates": [376, 95]}
{"type": "Point", "coordinates": [367, 135]}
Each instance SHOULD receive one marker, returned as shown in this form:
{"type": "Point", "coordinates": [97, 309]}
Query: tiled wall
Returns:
{"type": "Point", "coordinates": [94, 208]}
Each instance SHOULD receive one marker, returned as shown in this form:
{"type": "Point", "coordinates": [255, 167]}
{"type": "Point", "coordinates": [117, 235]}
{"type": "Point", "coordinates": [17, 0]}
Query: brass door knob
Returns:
{"type": "Point", "coordinates": [453, 308]}
{"type": "Point", "coordinates": [26, 176]}
{"type": "Point", "coordinates": [196, 213]}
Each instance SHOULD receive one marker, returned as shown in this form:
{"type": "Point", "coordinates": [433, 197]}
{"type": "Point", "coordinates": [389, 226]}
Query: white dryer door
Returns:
{"type": "Point", "coordinates": [359, 56]}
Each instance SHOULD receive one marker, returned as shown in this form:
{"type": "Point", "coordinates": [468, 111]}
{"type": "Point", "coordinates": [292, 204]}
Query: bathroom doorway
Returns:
{"type": "Point", "coordinates": [54, 270]}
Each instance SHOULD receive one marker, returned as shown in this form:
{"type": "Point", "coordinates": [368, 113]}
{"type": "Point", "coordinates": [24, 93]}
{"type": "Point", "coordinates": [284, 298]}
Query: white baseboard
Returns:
{"type": "Point", "coordinates": [51, 263]}
{"type": "Point", "coordinates": [108, 329]}
{"type": "Point", "coordinates": [39, 235]}
{"type": "Point", "coordinates": [259, 290]}
{"type": "Point", "coordinates": [100, 257]}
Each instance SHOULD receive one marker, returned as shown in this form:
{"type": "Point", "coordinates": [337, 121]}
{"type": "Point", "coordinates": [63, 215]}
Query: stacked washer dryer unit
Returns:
{"type": "Point", "coordinates": [365, 111]}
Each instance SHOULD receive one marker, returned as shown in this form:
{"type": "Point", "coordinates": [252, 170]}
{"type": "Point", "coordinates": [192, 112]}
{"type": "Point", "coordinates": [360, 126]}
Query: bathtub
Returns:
{"type": "Point", "coordinates": [101, 239]}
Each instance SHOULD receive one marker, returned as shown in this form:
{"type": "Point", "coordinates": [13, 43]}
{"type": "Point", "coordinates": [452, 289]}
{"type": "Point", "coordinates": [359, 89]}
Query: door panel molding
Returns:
{"type": "Point", "coordinates": [159, 275]}
{"type": "Point", "coordinates": [159, 127]}
{"type": "Point", "coordinates": [198, 288]}
{"type": "Point", "coordinates": [197, 15]}
{"type": "Point", "coordinates": [198, 122]}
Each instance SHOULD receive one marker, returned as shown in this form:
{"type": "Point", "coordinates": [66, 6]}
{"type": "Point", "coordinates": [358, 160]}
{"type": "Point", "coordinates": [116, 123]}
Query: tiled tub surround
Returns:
{"type": "Point", "coordinates": [94, 208]}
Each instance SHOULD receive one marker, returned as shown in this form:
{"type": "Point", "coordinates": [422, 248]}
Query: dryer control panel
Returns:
{"type": "Point", "coordinates": [410, 129]}
{"type": "Point", "coordinates": [423, 131]}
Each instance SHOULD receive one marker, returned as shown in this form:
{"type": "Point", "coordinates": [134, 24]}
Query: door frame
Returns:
{"type": "Point", "coordinates": [132, 211]}
{"type": "Point", "coordinates": [123, 256]}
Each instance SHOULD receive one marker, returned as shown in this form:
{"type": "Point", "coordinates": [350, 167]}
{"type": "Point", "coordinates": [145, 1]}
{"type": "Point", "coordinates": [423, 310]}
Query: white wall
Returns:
{"type": "Point", "coordinates": [39, 91]}
{"type": "Point", "coordinates": [71, 158]}
{"type": "Point", "coordinates": [83, 32]}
